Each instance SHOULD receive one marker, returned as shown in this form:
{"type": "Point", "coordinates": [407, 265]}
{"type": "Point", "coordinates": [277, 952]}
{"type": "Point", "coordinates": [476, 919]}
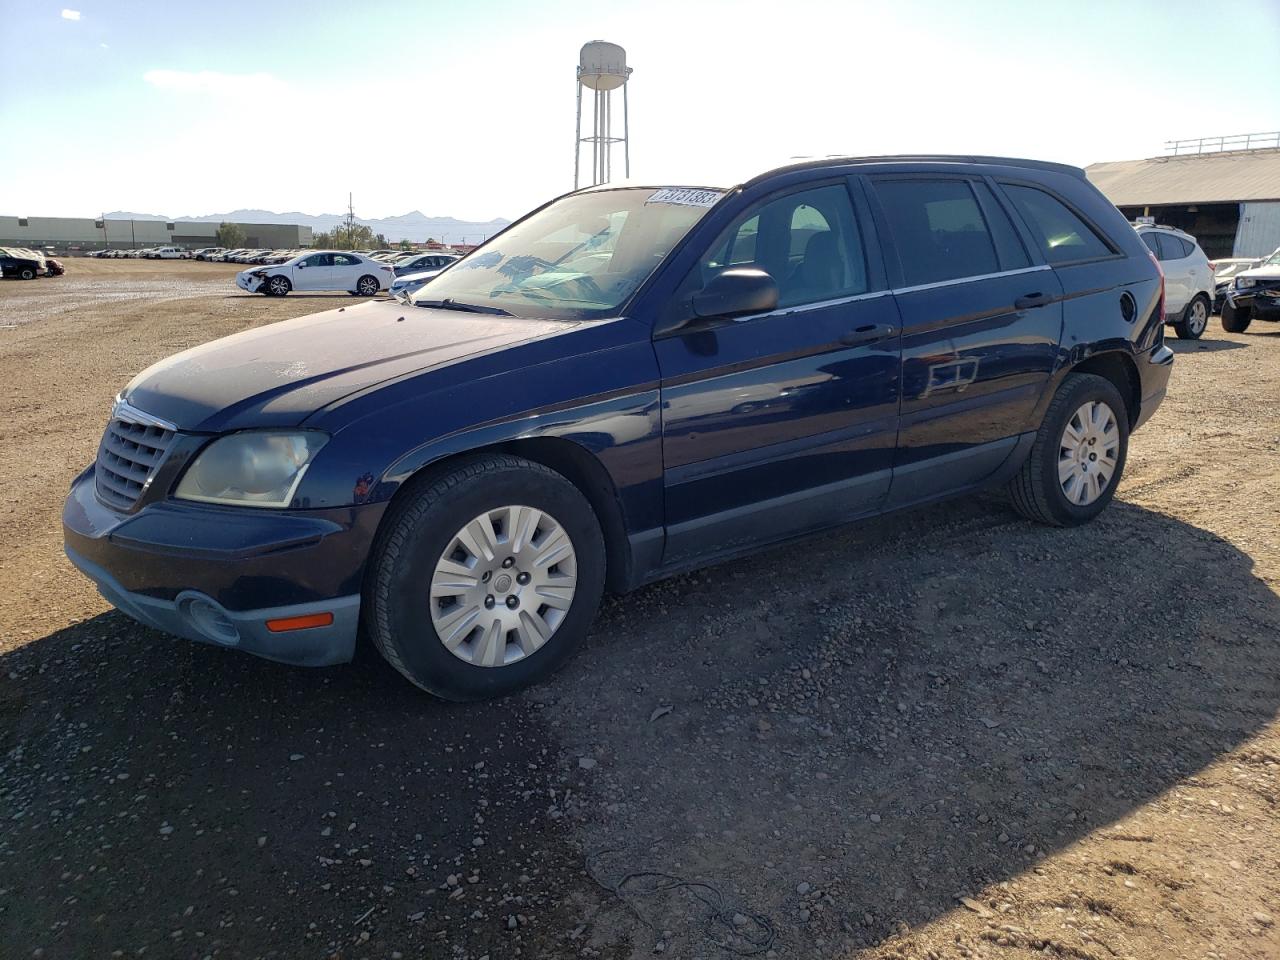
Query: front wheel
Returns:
{"type": "Point", "coordinates": [484, 578]}
{"type": "Point", "coordinates": [1078, 454]}
{"type": "Point", "coordinates": [1235, 319]}
{"type": "Point", "coordinates": [27, 274]}
{"type": "Point", "coordinates": [367, 286]}
{"type": "Point", "coordinates": [1195, 318]}
{"type": "Point", "coordinates": [277, 286]}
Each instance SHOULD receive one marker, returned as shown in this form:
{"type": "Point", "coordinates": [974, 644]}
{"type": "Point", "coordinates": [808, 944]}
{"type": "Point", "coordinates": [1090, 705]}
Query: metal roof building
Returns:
{"type": "Point", "coordinates": [1229, 200]}
{"type": "Point", "coordinates": [70, 234]}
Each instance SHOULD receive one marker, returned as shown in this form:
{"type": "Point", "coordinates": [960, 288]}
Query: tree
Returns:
{"type": "Point", "coordinates": [359, 237]}
{"type": "Point", "coordinates": [230, 235]}
{"type": "Point", "coordinates": [406, 245]}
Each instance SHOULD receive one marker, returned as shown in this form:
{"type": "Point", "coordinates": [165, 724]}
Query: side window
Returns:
{"type": "Point", "coordinates": [1009, 249]}
{"type": "Point", "coordinates": [807, 241]}
{"type": "Point", "coordinates": [343, 260]}
{"type": "Point", "coordinates": [1153, 243]}
{"type": "Point", "coordinates": [1063, 236]}
{"type": "Point", "coordinates": [939, 230]}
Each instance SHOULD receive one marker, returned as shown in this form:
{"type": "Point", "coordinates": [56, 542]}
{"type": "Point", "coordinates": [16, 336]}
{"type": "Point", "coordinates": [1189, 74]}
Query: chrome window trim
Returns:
{"type": "Point", "coordinates": [959, 280]}
{"type": "Point", "coordinates": [818, 305]}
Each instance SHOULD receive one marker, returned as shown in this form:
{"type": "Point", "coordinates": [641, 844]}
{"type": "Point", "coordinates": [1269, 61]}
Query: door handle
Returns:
{"type": "Point", "coordinates": [1032, 300]}
{"type": "Point", "coordinates": [868, 333]}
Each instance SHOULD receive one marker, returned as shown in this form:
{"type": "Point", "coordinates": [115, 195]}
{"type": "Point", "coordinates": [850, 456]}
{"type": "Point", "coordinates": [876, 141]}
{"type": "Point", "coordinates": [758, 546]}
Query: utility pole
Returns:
{"type": "Point", "coordinates": [351, 217]}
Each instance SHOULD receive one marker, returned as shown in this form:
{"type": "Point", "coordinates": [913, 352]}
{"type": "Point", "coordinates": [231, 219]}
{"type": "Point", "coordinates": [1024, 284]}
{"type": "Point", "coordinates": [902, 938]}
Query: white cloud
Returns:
{"type": "Point", "coordinates": [212, 83]}
{"type": "Point", "coordinates": [70, 14]}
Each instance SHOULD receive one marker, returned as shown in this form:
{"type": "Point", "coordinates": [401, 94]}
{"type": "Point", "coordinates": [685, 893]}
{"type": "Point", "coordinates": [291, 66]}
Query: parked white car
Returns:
{"type": "Point", "coordinates": [168, 253]}
{"type": "Point", "coordinates": [346, 270]}
{"type": "Point", "coordinates": [1188, 278]}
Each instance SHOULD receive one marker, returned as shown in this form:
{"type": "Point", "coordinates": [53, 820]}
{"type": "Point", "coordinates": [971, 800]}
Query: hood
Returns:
{"type": "Point", "coordinates": [1260, 272]}
{"type": "Point", "coordinates": [279, 374]}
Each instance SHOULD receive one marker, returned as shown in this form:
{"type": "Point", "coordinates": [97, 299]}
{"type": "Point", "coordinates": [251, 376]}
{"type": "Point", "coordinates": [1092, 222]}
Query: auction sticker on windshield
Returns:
{"type": "Point", "coordinates": [686, 197]}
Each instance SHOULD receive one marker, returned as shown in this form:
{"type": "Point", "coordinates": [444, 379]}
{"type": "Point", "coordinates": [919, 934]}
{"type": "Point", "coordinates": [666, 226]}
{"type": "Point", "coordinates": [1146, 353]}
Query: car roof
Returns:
{"type": "Point", "coordinates": [727, 176]}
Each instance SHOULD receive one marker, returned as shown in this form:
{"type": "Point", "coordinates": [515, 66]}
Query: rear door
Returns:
{"type": "Point", "coordinates": [981, 324]}
{"type": "Point", "coordinates": [782, 422]}
{"type": "Point", "coordinates": [347, 269]}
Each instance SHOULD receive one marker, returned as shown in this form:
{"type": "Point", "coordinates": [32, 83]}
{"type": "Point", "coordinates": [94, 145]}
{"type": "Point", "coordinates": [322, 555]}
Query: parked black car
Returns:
{"type": "Point", "coordinates": [627, 383]}
{"type": "Point", "coordinates": [20, 267]}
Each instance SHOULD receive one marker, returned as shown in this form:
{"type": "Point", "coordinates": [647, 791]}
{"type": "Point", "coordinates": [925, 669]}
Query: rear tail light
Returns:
{"type": "Point", "coordinates": [1159, 270]}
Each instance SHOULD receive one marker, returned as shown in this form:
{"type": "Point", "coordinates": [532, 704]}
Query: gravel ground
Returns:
{"type": "Point", "coordinates": [941, 734]}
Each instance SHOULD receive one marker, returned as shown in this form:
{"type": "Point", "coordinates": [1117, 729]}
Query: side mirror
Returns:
{"type": "Point", "coordinates": [736, 291]}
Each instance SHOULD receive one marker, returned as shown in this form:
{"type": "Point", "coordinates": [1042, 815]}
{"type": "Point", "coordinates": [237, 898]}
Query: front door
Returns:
{"type": "Point", "coordinates": [981, 324]}
{"type": "Point", "coordinates": [313, 272]}
{"type": "Point", "coordinates": [784, 422]}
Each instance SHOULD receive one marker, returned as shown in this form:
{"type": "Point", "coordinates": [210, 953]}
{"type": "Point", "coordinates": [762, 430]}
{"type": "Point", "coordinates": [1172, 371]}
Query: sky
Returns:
{"type": "Point", "coordinates": [466, 108]}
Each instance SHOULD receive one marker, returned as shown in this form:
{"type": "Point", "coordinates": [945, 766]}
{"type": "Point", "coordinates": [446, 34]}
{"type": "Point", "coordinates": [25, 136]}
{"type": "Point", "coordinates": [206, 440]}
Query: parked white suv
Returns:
{"type": "Point", "coordinates": [167, 253]}
{"type": "Point", "coordinates": [1188, 278]}
{"type": "Point", "coordinates": [319, 270]}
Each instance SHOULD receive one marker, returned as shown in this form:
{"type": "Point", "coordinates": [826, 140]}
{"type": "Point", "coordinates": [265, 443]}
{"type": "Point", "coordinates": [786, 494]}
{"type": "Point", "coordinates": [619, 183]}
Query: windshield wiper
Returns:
{"type": "Point", "coordinates": [451, 304]}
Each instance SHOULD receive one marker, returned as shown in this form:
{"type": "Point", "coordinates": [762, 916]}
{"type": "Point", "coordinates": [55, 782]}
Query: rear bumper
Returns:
{"type": "Point", "coordinates": [218, 575]}
{"type": "Point", "coordinates": [1154, 370]}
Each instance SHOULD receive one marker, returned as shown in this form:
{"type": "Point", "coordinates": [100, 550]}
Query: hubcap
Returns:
{"type": "Point", "coordinates": [1088, 453]}
{"type": "Point", "coordinates": [278, 285]}
{"type": "Point", "coordinates": [368, 289]}
{"type": "Point", "coordinates": [503, 586]}
{"type": "Point", "coordinates": [1199, 316]}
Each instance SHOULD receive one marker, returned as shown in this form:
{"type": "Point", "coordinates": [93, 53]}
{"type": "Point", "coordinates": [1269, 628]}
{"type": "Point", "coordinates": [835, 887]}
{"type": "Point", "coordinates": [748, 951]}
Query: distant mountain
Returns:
{"type": "Point", "coordinates": [415, 226]}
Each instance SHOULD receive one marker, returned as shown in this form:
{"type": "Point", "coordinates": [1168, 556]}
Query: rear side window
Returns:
{"type": "Point", "coordinates": [1153, 243]}
{"type": "Point", "coordinates": [1173, 248]}
{"type": "Point", "coordinates": [939, 230]}
{"type": "Point", "coordinates": [1062, 235]}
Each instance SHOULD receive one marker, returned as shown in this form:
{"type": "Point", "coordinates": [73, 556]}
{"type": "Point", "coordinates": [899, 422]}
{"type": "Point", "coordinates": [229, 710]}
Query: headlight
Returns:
{"type": "Point", "coordinates": [258, 468]}
{"type": "Point", "coordinates": [1243, 283]}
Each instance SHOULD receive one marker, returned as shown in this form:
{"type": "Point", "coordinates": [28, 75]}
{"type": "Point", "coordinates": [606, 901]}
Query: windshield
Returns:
{"type": "Point", "coordinates": [579, 258]}
{"type": "Point", "coordinates": [1271, 261]}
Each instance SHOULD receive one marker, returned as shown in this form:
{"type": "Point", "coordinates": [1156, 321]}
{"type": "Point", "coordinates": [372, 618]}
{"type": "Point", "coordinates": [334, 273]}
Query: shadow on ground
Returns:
{"type": "Point", "coordinates": [861, 727]}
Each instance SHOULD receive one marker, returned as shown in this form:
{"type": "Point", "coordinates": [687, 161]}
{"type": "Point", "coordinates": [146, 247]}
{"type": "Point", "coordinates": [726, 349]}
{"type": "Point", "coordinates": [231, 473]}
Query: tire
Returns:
{"type": "Point", "coordinates": [368, 286]}
{"type": "Point", "coordinates": [277, 286]}
{"type": "Point", "coordinates": [405, 567]}
{"type": "Point", "coordinates": [1234, 320]}
{"type": "Point", "coordinates": [27, 273]}
{"type": "Point", "coordinates": [1194, 320]}
{"type": "Point", "coordinates": [1040, 490]}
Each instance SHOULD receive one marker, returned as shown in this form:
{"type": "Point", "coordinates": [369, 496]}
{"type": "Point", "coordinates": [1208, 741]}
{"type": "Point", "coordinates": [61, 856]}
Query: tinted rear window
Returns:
{"type": "Point", "coordinates": [1062, 235]}
{"type": "Point", "coordinates": [939, 230]}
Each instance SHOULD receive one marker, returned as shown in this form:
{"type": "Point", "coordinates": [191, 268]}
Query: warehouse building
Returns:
{"type": "Point", "coordinates": [1228, 200]}
{"type": "Point", "coordinates": [72, 235]}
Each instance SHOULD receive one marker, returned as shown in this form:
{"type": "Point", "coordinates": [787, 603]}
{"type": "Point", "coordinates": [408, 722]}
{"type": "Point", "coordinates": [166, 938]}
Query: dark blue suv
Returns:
{"type": "Point", "coordinates": [627, 383]}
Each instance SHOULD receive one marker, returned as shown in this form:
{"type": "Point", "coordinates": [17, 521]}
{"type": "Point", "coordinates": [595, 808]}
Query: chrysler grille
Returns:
{"type": "Point", "coordinates": [127, 459]}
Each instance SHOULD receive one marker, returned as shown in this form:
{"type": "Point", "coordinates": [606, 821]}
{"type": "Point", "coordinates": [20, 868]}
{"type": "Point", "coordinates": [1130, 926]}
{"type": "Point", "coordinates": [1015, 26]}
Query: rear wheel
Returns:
{"type": "Point", "coordinates": [1195, 318]}
{"type": "Point", "coordinates": [367, 286]}
{"type": "Point", "coordinates": [1234, 319]}
{"type": "Point", "coordinates": [485, 578]}
{"type": "Point", "coordinates": [1078, 455]}
{"type": "Point", "coordinates": [277, 286]}
{"type": "Point", "coordinates": [27, 273]}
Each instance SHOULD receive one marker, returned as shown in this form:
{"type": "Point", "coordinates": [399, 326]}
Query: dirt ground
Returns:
{"type": "Point", "coordinates": [941, 734]}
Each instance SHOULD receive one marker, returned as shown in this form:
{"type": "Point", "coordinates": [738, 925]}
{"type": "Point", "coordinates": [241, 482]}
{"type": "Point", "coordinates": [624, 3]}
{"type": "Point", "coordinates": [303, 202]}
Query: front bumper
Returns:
{"type": "Point", "coordinates": [218, 575]}
{"type": "Point", "coordinates": [1264, 304]}
{"type": "Point", "coordinates": [249, 283]}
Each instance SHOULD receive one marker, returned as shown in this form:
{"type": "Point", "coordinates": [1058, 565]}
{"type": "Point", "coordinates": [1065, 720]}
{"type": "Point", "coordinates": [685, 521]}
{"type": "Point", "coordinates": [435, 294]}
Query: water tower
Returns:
{"type": "Point", "coordinates": [602, 68]}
